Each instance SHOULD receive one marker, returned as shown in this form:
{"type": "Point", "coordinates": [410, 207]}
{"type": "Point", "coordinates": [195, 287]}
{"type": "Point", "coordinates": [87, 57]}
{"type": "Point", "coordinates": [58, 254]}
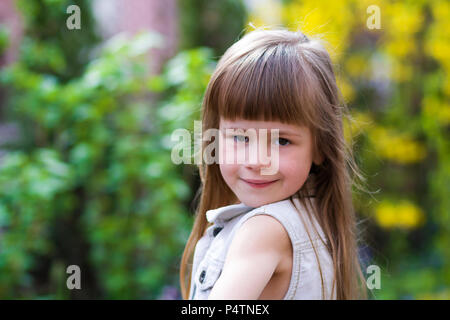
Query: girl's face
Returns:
{"type": "Point", "coordinates": [295, 155]}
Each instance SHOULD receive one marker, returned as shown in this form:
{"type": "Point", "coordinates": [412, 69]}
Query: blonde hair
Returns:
{"type": "Point", "coordinates": [281, 75]}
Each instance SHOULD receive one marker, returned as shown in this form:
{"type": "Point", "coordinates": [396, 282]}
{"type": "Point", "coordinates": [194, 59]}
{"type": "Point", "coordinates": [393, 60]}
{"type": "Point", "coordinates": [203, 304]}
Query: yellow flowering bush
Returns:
{"type": "Point", "coordinates": [395, 80]}
{"type": "Point", "coordinates": [399, 148]}
{"type": "Point", "coordinates": [402, 214]}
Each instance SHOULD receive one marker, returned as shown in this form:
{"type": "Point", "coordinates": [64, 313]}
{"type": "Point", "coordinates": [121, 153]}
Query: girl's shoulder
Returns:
{"type": "Point", "coordinates": [262, 227]}
{"type": "Point", "coordinates": [261, 235]}
{"type": "Point", "coordinates": [287, 216]}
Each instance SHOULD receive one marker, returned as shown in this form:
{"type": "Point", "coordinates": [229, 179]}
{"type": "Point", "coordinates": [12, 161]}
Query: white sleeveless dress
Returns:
{"type": "Point", "coordinates": [305, 282]}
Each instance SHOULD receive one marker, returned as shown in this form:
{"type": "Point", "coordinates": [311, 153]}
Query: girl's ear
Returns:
{"type": "Point", "coordinates": [318, 158]}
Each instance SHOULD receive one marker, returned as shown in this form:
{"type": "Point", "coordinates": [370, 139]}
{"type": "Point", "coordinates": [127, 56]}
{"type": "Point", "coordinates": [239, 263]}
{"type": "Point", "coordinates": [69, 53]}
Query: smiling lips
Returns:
{"type": "Point", "coordinates": [258, 183]}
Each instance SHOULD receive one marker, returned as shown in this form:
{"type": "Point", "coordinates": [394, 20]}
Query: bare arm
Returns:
{"type": "Point", "coordinates": [253, 257]}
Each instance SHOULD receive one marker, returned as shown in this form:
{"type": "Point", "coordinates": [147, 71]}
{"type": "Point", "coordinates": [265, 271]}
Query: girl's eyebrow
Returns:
{"type": "Point", "coordinates": [281, 132]}
{"type": "Point", "coordinates": [289, 133]}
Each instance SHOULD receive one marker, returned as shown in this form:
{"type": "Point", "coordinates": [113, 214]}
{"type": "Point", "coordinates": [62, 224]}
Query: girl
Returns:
{"type": "Point", "coordinates": [292, 234]}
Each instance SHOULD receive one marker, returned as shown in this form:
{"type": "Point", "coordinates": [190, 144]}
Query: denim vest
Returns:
{"type": "Point", "coordinates": [305, 283]}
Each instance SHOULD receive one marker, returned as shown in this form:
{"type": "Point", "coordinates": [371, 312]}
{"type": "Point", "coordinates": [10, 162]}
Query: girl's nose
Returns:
{"type": "Point", "coordinates": [263, 160]}
{"type": "Point", "coordinates": [257, 159]}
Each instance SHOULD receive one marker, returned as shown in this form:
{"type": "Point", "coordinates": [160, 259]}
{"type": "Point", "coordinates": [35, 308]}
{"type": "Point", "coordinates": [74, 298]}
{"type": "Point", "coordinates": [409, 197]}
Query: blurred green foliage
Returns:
{"type": "Point", "coordinates": [3, 39]}
{"type": "Point", "coordinates": [48, 46]}
{"type": "Point", "coordinates": [90, 181]}
{"type": "Point", "coordinates": [212, 23]}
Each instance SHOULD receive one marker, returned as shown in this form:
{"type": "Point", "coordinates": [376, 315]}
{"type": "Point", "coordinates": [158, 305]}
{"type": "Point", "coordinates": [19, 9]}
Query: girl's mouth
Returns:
{"type": "Point", "coordinates": [259, 183]}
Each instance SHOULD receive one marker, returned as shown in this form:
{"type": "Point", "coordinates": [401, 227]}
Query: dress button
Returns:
{"type": "Point", "coordinates": [217, 230]}
{"type": "Point", "coordinates": [202, 276]}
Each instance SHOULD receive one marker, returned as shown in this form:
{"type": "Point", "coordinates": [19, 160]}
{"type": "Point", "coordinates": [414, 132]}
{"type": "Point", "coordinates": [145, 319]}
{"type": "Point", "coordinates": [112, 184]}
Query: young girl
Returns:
{"type": "Point", "coordinates": [291, 234]}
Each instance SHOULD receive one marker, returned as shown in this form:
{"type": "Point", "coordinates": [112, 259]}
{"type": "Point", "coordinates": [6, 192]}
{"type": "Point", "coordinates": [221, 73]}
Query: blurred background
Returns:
{"type": "Point", "coordinates": [86, 116]}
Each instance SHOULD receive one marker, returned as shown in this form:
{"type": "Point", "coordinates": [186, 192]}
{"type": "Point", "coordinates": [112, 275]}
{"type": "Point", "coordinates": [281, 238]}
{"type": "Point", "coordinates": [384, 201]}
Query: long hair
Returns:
{"type": "Point", "coordinates": [285, 76]}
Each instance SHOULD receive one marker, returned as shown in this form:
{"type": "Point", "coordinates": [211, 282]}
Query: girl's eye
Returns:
{"type": "Point", "coordinates": [240, 138]}
{"type": "Point", "coordinates": [283, 141]}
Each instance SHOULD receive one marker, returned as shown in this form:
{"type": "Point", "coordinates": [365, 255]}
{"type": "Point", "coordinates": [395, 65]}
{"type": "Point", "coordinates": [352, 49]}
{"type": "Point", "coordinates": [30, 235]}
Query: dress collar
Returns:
{"type": "Point", "coordinates": [227, 212]}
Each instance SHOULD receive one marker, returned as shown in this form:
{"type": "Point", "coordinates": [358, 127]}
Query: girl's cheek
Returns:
{"type": "Point", "coordinates": [229, 174]}
{"type": "Point", "coordinates": [292, 163]}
